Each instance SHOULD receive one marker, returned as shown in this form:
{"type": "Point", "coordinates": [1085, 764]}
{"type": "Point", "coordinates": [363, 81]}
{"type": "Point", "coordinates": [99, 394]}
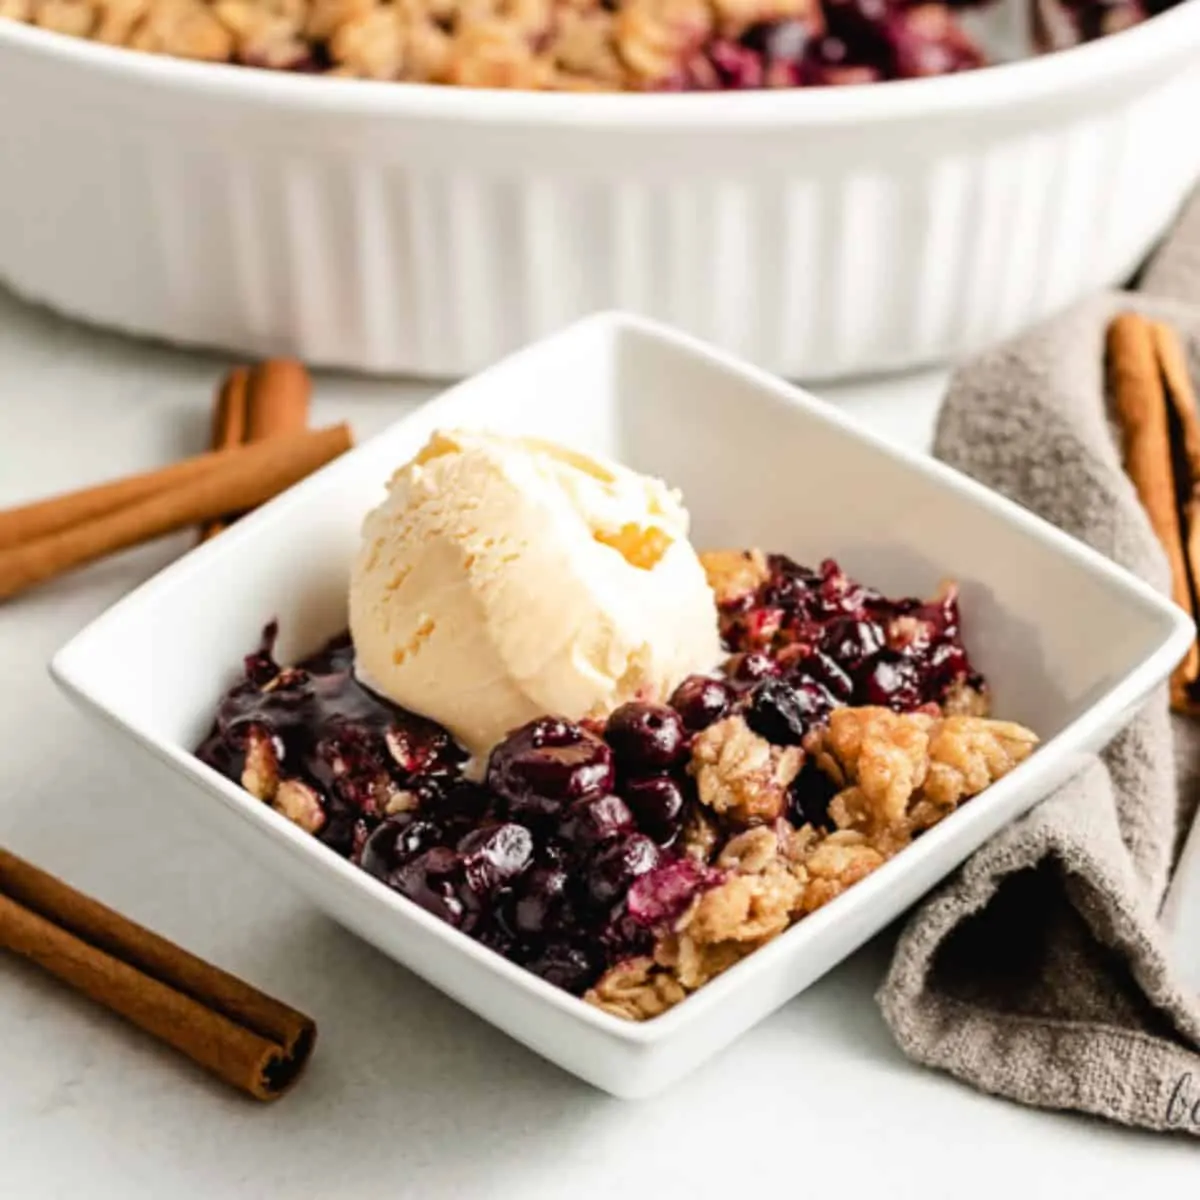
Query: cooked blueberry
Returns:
{"type": "Point", "coordinates": [396, 841]}
{"type": "Point", "coordinates": [588, 823]}
{"type": "Point", "coordinates": [359, 835]}
{"type": "Point", "coordinates": [546, 764]}
{"type": "Point", "coordinates": [349, 763]}
{"type": "Point", "coordinates": [702, 701]}
{"type": "Point", "coordinates": [540, 901]}
{"type": "Point", "coordinates": [749, 668]}
{"type": "Point", "coordinates": [659, 897]}
{"type": "Point", "coordinates": [646, 737]}
{"type": "Point", "coordinates": [783, 713]}
{"type": "Point", "coordinates": [620, 936]}
{"type": "Point", "coordinates": [739, 68]}
{"type": "Point", "coordinates": [761, 627]}
{"type": "Point", "coordinates": [261, 667]}
{"type": "Point", "coordinates": [495, 854]}
{"type": "Point", "coordinates": [464, 801]}
{"type": "Point", "coordinates": [657, 804]}
{"type": "Point", "coordinates": [892, 681]}
{"type": "Point", "coordinates": [496, 937]}
{"type": "Point", "coordinates": [345, 831]}
{"type": "Point", "coordinates": [419, 748]}
{"type": "Point", "coordinates": [810, 797]}
{"type": "Point", "coordinates": [947, 664]}
{"type": "Point", "coordinates": [778, 41]}
{"type": "Point", "coordinates": [784, 570]}
{"type": "Point", "coordinates": [549, 852]}
{"type": "Point", "coordinates": [820, 668]}
{"type": "Point", "coordinates": [932, 42]}
{"type": "Point", "coordinates": [618, 865]}
{"type": "Point", "coordinates": [433, 880]}
{"type": "Point", "coordinates": [861, 25]}
{"type": "Point", "coordinates": [568, 967]}
{"type": "Point", "coordinates": [842, 596]}
{"type": "Point", "coordinates": [851, 642]}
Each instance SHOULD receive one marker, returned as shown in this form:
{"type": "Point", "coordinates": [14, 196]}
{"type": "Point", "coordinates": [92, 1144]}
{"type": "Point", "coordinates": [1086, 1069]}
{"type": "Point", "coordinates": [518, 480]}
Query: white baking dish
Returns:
{"type": "Point", "coordinates": [1070, 643]}
{"type": "Point", "coordinates": [408, 228]}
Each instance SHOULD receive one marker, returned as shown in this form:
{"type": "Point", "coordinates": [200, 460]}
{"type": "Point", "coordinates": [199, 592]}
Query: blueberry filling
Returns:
{"type": "Point", "coordinates": [855, 645]}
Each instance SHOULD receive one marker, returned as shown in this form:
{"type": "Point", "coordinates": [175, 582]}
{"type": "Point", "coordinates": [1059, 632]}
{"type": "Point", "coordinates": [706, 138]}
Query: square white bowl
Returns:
{"type": "Point", "coordinates": [1071, 644]}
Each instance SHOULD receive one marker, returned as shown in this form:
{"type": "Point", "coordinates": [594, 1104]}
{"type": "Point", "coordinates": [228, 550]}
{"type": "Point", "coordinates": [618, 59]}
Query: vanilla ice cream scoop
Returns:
{"type": "Point", "coordinates": [506, 578]}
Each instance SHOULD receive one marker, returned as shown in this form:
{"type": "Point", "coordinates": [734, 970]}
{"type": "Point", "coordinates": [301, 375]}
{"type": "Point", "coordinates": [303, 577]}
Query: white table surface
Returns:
{"type": "Point", "coordinates": [408, 1095]}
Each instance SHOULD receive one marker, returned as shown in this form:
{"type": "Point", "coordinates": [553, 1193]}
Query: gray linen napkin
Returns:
{"type": "Point", "coordinates": [1040, 972]}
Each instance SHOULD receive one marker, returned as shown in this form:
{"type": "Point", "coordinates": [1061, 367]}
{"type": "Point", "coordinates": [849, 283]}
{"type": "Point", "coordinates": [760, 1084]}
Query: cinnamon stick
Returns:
{"type": "Point", "coordinates": [1181, 397]}
{"type": "Point", "coordinates": [1156, 408]}
{"type": "Point", "coordinates": [278, 399]}
{"type": "Point", "coordinates": [188, 493]}
{"type": "Point", "coordinates": [229, 425]}
{"type": "Point", "coordinates": [43, 517]}
{"type": "Point", "coordinates": [255, 404]}
{"type": "Point", "coordinates": [244, 1037]}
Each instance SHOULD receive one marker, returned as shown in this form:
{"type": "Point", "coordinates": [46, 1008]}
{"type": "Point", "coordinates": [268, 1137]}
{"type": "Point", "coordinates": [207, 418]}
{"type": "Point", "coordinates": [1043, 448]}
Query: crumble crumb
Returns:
{"type": "Point", "coordinates": [182, 28]}
{"type": "Point", "coordinates": [902, 772]}
{"type": "Point", "coordinates": [964, 700]}
{"type": "Point", "coordinates": [635, 989]}
{"type": "Point", "coordinates": [734, 574]}
{"type": "Point", "coordinates": [838, 862]}
{"type": "Point", "coordinates": [385, 43]}
{"type": "Point", "coordinates": [740, 775]}
{"type": "Point", "coordinates": [699, 837]}
{"type": "Point", "coordinates": [300, 804]}
{"type": "Point", "coordinates": [756, 903]}
{"type": "Point", "coordinates": [745, 908]}
{"type": "Point", "coordinates": [885, 754]}
{"type": "Point", "coordinates": [270, 30]}
{"type": "Point", "coordinates": [749, 852]}
{"type": "Point", "coordinates": [76, 18]}
{"type": "Point", "coordinates": [693, 963]}
{"type": "Point", "coordinates": [496, 54]}
{"type": "Point", "coordinates": [795, 844]}
{"type": "Point", "coordinates": [968, 754]}
{"type": "Point", "coordinates": [260, 775]}
{"type": "Point", "coordinates": [653, 37]}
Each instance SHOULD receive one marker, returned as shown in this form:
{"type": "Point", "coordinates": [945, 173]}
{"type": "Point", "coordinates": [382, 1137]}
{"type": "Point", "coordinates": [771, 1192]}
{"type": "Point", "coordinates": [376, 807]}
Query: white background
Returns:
{"type": "Point", "coordinates": [408, 1095]}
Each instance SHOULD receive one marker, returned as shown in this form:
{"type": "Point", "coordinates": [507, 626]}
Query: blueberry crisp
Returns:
{"type": "Point", "coordinates": [577, 45]}
{"type": "Point", "coordinates": [633, 857]}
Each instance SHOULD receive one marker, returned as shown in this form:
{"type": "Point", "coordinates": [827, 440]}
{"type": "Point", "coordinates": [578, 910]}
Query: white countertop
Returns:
{"type": "Point", "coordinates": [408, 1095]}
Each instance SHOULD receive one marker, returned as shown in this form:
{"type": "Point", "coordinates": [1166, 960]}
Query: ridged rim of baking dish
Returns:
{"type": "Point", "coordinates": [1171, 37]}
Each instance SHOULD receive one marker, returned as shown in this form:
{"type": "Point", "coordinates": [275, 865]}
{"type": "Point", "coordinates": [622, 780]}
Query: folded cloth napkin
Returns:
{"type": "Point", "coordinates": [1040, 972]}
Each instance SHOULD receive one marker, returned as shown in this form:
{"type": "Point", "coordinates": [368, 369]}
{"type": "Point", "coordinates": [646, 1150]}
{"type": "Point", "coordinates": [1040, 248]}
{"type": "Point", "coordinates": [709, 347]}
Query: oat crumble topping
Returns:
{"type": "Point", "coordinates": [636, 989]}
{"type": "Point", "coordinates": [903, 772]}
{"type": "Point", "coordinates": [898, 774]}
{"type": "Point", "coordinates": [740, 775]}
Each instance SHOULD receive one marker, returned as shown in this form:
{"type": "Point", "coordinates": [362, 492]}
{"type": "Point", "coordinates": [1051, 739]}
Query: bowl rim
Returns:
{"type": "Point", "coordinates": [1177, 633]}
{"type": "Point", "coordinates": [1170, 36]}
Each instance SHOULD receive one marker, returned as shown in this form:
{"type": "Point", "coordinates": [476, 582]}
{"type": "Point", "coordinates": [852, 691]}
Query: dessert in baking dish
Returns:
{"type": "Point", "coordinates": [575, 45]}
